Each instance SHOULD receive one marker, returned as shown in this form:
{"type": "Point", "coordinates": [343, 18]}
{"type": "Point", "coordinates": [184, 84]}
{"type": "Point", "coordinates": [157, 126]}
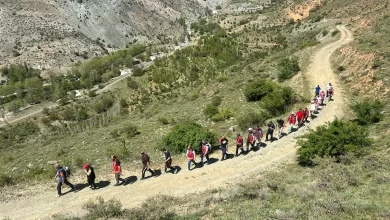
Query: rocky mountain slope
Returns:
{"type": "Point", "coordinates": [51, 34]}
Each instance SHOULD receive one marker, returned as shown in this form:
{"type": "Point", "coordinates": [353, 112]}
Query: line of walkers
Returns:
{"type": "Point", "coordinates": [253, 140]}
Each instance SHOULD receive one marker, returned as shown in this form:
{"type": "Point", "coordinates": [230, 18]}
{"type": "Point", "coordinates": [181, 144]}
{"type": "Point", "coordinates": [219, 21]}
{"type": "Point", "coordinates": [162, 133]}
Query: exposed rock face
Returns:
{"type": "Point", "coordinates": [51, 34]}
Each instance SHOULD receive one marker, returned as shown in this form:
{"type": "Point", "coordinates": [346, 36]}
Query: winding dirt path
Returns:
{"type": "Point", "coordinates": [218, 174]}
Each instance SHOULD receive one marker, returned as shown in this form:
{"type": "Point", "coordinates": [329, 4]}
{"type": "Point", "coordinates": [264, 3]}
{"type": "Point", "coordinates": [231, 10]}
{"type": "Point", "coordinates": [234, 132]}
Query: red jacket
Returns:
{"type": "Point", "coordinates": [239, 140]}
{"type": "Point", "coordinates": [292, 119]}
{"type": "Point", "coordinates": [190, 154]}
{"type": "Point", "coordinates": [300, 115]}
{"type": "Point", "coordinates": [116, 166]}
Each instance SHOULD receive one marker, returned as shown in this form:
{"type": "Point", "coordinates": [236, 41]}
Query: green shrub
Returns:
{"type": "Point", "coordinates": [325, 32]}
{"type": "Point", "coordinates": [131, 130]}
{"type": "Point", "coordinates": [368, 112]}
{"type": "Point", "coordinates": [222, 115]}
{"type": "Point", "coordinates": [278, 102]}
{"type": "Point", "coordinates": [138, 72]}
{"type": "Point", "coordinates": [335, 32]}
{"type": "Point", "coordinates": [222, 78]}
{"type": "Point", "coordinates": [184, 134]}
{"type": "Point", "coordinates": [163, 120]}
{"type": "Point", "coordinates": [288, 67]}
{"type": "Point", "coordinates": [252, 119]}
{"type": "Point", "coordinates": [257, 90]}
{"type": "Point", "coordinates": [335, 139]}
{"type": "Point", "coordinates": [40, 173]}
{"type": "Point", "coordinates": [216, 100]}
{"type": "Point", "coordinates": [91, 93]}
{"type": "Point", "coordinates": [6, 180]}
{"type": "Point", "coordinates": [104, 104]}
{"type": "Point", "coordinates": [103, 210]}
{"type": "Point", "coordinates": [340, 68]}
{"type": "Point", "coordinates": [210, 110]}
{"type": "Point", "coordinates": [132, 84]}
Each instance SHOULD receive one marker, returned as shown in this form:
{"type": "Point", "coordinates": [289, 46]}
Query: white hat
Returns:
{"type": "Point", "coordinates": [292, 113]}
{"type": "Point", "coordinates": [250, 129]}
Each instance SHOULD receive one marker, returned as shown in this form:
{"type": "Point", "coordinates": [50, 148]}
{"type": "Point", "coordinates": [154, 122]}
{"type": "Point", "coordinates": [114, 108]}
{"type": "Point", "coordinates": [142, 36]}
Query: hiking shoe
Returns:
{"type": "Point", "coordinates": [187, 170]}
{"type": "Point", "coordinates": [175, 171]}
{"type": "Point", "coordinates": [59, 195]}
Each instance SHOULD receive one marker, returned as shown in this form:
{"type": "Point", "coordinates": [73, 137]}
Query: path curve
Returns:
{"type": "Point", "coordinates": [219, 174]}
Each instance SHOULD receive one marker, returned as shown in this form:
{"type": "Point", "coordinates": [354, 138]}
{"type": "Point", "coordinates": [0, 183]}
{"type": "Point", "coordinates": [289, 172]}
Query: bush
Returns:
{"type": "Point", "coordinates": [216, 100]}
{"type": "Point", "coordinates": [340, 68]}
{"type": "Point", "coordinates": [181, 135]}
{"type": "Point", "coordinates": [288, 67]}
{"type": "Point", "coordinates": [252, 119]}
{"type": "Point", "coordinates": [138, 72]}
{"type": "Point", "coordinates": [222, 115]}
{"type": "Point", "coordinates": [132, 84]}
{"type": "Point", "coordinates": [103, 210]}
{"type": "Point", "coordinates": [368, 112]}
{"type": "Point", "coordinates": [6, 180]}
{"type": "Point", "coordinates": [163, 120]}
{"type": "Point", "coordinates": [335, 139]}
{"type": "Point", "coordinates": [278, 102]}
{"type": "Point", "coordinates": [46, 111]}
{"type": "Point", "coordinates": [131, 131]}
{"type": "Point", "coordinates": [335, 32]}
{"type": "Point", "coordinates": [210, 110]}
{"type": "Point", "coordinates": [257, 90]}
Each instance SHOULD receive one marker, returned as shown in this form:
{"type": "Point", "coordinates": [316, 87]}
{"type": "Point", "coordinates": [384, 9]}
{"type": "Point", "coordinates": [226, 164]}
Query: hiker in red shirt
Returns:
{"type": "Point", "coordinates": [300, 117]}
{"type": "Point", "coordinates": [322, 96]}
{"type": "Point", "coordinates": [191, 157]}
{"type": "Point", "coordinates": [250, 141]}
{"type": "Point", "coordinates": [239, 144]}
{"type": "Point", "coordinates": [292, 120]}
{"type": "Point", "coordinates": [116, 165]}
{"type": "Point", "coordinates": [306, 114]}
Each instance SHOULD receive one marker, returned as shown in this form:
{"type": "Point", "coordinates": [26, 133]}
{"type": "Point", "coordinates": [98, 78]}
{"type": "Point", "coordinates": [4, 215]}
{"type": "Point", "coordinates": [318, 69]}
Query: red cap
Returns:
{"type": "Point", "coordinates": [86, 166]}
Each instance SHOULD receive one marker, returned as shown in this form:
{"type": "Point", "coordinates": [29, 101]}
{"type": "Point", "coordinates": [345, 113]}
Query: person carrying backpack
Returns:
{"type": "Point", "coordinates": [270, 131]}
{"type": "Point", "coordinates": [90, 172]}
{"type": "Point", "coordinates": [223, 141]}
{"type": "Point", "coordinates": [250, 141]}
{"type": "Point", "coordinates": [258, 134]}
{"type": "Point", "coordinates": [191, 157]}
{"type": "Point", "coordinates": [205, 149]}
{"type": "Point", "coordinates": [116, 166]}
{"type": "Point", "coordinates": [281, 125]}
{"type": "Point", "coordinates": [292, 120]}
{"type": "Point", "coordinates": [168, 161]}
{"type": "Point", "coordinates": [239, 144]}
{"type": "Point", "coordinates": [62, 179]}
{"type": "Point", "coordinates": [300, 117]}
{"type": "Point", "coordinates": [146, 163]}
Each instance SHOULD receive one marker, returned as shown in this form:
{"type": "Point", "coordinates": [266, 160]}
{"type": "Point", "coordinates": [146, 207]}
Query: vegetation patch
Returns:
{"type": "Point", "coordinates": [368, 111]}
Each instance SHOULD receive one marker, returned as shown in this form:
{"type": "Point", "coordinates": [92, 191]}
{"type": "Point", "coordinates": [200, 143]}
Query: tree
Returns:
{"type": "Point", "coordinates": [368, 112]}
{"type": "Point", "coordinates": [288, 67]}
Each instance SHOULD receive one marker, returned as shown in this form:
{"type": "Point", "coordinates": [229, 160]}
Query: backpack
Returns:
{"type": "Point", "coordinates": [148, 157]}
{"type": "Point", "coordinates": [67, 172]}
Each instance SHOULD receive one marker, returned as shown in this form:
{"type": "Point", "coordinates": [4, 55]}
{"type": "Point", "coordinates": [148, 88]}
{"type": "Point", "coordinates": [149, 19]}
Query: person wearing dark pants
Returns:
{"type": "Point", "coordinates": [224, 147]}
{"type": "Point", "coordinates": [270, 131]}
{"type": "Point", "coordinates": [88, 169]}
{"type": "Point", "coordinates": [146, 162]}
{"type": "Point", "coordinates": [116, 165]}
{"type": "Point", "coordinates": [205, 149]}
{"type": "Point", "coordinates": [239, 144]}
{"type": "Point", "coordinates": [168, 161]}
{"type": "Point", "coordinates": [62, 179]}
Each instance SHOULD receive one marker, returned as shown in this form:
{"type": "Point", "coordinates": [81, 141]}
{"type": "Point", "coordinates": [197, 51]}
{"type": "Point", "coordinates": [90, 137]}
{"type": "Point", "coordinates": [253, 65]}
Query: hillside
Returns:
{"type": "Point", "coordinates": [51, 35]}
{"type": "Point", "coordinates": [245, 65]}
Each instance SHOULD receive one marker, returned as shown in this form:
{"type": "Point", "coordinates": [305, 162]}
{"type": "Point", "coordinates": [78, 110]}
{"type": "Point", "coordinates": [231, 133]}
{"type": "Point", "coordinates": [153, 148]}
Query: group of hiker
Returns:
{"type": "Point", "coordinates": [253, 140]}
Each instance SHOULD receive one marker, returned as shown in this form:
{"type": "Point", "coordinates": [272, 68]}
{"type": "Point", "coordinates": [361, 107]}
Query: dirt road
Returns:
{"type": "Point", "coordinates": [219, 174]}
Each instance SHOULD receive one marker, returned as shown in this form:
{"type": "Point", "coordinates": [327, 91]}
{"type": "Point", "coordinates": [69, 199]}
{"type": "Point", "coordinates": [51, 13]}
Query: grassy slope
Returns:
{"type": "Point", "coordinates": [353, 189]}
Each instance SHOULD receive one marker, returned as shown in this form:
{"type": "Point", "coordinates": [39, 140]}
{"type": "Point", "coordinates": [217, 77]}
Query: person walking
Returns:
{"type": "Point", "coordinates": [116, 166]}
{"type": "Point", "coordinates": [258, 134]}
{"type": "Point", "coordinates": [90, 172]}
{"type": "Point", "coordinates": [322, 96]}
{"type": "Point", "coordinates": [191, 157]}
{"type": "Point", "coordinates": [312, 109]}
{"type": "Point", "coordinates": [306, 113]}
{"type": "Point", "coordinates": [329, 87]}
{"type": "Point", "coordinates": [62, 179]}
{"type": "Point", "coordinates": [239, 144]}
{"type": "Point", "coordinates": [146, 163]}
{"type": "Point", "coordinates": [250, 141]}
{"type": "Point", "coordinates": [281, 125]}
{"type": "Point", "coordinates": [205, 149]}
{"type": "Point", "coordinates": [292, 120]}
{"type": "Point", "coordinates": [223, 141]}
{"type": "Point", "coordinates": [168, 161]}
{"type": "Point", "coordinates": [300, 117]}
{"type": "Point", "coordinates": [317, 90]}
{"type": "Point", "coordinates": [270, 131]}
